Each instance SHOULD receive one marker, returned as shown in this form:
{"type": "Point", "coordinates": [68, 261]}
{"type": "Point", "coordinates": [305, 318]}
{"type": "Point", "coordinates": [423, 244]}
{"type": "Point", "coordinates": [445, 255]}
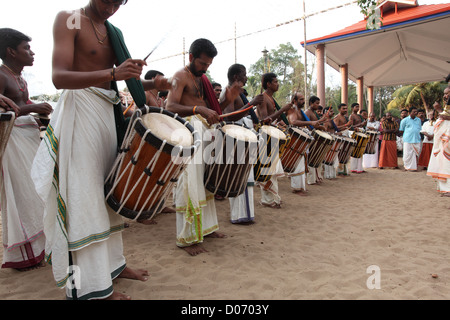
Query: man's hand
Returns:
{"type": "Point", "coordinates": [9, 105]}
{"type": "Point", "coordinates": [161, 83]}
{"type": "Point", "coordinates": [129, 69]}
{"type": "Point", "coordinates": [258, 100]}
{"type": "Point", "coordinates": [210, 116]}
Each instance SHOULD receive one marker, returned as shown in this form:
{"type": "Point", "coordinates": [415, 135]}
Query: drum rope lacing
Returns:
{"type": "Point", "coordinates": [177, 159]}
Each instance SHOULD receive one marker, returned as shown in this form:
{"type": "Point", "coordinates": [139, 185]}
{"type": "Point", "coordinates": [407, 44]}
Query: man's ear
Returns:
{"type": "Point", "coordinates": [11, 52]}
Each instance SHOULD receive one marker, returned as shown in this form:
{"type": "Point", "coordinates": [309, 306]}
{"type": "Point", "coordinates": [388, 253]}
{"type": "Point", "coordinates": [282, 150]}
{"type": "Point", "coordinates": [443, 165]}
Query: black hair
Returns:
{"type": "Point", "coordinates": [268, 77]}
{"type": "Point", "coordinates": [404, 110]}
{"type": "Point", "coordinates": [152, 74]}
{"type": "Point", "coordinates": [355, 104]}
{"type": "Point", "coordinates": [10, 38]}
{"type": "Point", "coordinates": [412, 108]}
{"type": "Point", "coordinates": [342, 105]}
{"type": "Point", "coordinates": [163, 93]}
{"type": "Point", "coordinates": [234, 70]}
{"type": "Point", "coordinates": [313, 99]}
{"type": "Point", "coordinates": [215, 84]}
{"type": "Point", "coordinates": [200, 46]}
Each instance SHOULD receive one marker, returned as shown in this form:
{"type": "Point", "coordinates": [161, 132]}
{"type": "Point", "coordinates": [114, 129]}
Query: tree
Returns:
{"type": "Point", "coordinates": [285, 62]}
{"type": "Point", "coordinates": [422, 95]}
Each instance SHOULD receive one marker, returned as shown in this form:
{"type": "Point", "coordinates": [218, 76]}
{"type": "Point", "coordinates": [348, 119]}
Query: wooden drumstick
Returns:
{"type": "Point", "coordinates": [129, 107]}
{"type": "Point", "coordinates": [235, 112]}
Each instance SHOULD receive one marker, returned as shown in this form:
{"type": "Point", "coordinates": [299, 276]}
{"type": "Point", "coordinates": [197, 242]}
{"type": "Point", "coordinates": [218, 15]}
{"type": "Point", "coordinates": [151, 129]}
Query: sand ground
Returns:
{"type": "Point", "coordinates": [321, 246]}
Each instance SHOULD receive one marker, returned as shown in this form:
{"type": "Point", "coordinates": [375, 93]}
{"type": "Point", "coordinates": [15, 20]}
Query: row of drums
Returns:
{"type": "Point", "coordinates": [159, 145]}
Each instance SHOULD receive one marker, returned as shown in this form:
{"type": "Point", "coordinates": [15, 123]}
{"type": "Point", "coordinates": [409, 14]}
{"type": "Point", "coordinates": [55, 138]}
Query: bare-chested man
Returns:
{"type": "Point", "coordinates": [23, 238]}
{"type": "Point", "coordinates": [296, 118]}
{"type": "Point", "coordinates": [241, 207]}
{"type": "Point", "coordinates": [83, 124]}
{"type": "Point", "coordinates": [192, 96]}
{"type": "Point", "coordinates": [314, 175]}
{"type": "Point", "coordinates": [358, 123]}
{"type": "Point", "coordinates": [342, 123]}
{"type": "Point", "coordinates": [269, 111]}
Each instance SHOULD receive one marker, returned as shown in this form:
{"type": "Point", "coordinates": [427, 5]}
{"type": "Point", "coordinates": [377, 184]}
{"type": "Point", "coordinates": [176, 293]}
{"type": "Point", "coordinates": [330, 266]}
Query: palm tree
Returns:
{"type": "Point", "coordinates": [422, 95]}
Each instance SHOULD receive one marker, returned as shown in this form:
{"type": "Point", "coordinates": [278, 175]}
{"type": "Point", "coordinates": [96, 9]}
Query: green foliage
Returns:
{"type": "Point", "coordinates": [285, 63]}
{"type": "Point", "coordinates": [422, 95]}
{"type": "Point", "coordinates": [373, 17]}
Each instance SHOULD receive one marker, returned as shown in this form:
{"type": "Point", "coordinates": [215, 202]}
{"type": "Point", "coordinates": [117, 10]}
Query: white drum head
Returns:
{"type": "Point", "coordinates": [239, 133]}
{"type": "Point", "coordinates": [300, 132]}
{"type": "Point", "coordinates": [273, 132]}
{"type": "Point", "coordinates": [168, 128]}
{"type": "Point", "coordinates": [324, 134]}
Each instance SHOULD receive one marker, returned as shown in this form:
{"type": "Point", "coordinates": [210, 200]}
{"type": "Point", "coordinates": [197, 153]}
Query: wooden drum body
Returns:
{"type": "Point", "coordinates": [272, 143]}
{"type": "Point", "coordinates": [361, 143]}
{"type": "Point", "coordinates": [156, 149]}
{"type": "Point", "coordinates": [319, 148]}
{"type": "Point", "coordinates": [234, 152]}
{"type": "Point", "coordinates": [299, 140]}
{"type": "Point", "coordinates": [373, 140]}
{"type": "Point", "coordinates": [348, 145]}
{"type": "Point", "coordinates": [336, 147]}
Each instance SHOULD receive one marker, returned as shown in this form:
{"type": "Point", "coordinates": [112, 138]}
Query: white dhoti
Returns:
{"type": "Point", "coordinates": [69, 171]}
{"type": "Point", "coordinates": [269, 189]}
{"type": "Point", "coordinates": [314, 175]}
{"type": "Point", "coordinates": [329, 172]}
{"type": "Point", "coordinates": [411, 153]}
{"type": "Point", "coordinates": [242, 207]}
{"type": "Point", "coordinates": [439, 165]}
{"type": "Point", "coordinates": [371, 160]}
{"type": "Point", "coordinates": [195, 206]}
{"type": "Point", "coordinates": [356, 165]}
{"type": "Point", "coordinates": [298, 177]}
{"type": "Point", "coordinates": [22, 209]}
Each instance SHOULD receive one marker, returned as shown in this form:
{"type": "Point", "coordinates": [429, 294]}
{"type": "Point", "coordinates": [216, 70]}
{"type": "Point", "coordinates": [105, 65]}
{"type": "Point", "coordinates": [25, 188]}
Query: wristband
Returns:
{"type": "Point", "coordinates": [193, 110]}
{"type": "Point", "coordinates": [113, 74]}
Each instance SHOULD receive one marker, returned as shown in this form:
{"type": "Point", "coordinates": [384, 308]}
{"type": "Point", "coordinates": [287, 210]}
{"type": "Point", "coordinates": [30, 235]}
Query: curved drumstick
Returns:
{"type": "Point", "coordinates": [235, 112]}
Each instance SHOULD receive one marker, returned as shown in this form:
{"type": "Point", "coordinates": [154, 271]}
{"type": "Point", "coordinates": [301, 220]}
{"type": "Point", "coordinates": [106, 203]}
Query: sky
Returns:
{"type": "Point", "coordinates": [177, 23]}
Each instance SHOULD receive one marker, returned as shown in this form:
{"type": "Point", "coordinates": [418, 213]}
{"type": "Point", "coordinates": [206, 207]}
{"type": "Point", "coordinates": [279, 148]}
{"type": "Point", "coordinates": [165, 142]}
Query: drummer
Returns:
{"type": "Point", "coordinates": [330, 127]}
{"type": "Point", "coordinates": [242, 207]}
{"type": "Point", "coordinates": [296, 117]}
{"type": "Point", "coordinates": [192, 96]}
{"type": "Point", "coordinates": [269, 111]}
{"type": "Point", "coordinates": [23, 237]}
{"type": "Point", "coordinates": [342, 123]}
{"type": "Point", "coordinates": [314, 175]}
{"type": "Point", "coordinates": [358, 124]}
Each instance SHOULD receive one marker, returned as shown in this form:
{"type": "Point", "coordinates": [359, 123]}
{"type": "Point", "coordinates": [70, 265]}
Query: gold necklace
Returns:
{"type": "Point", "coordinates": [101, 41]}
{"type": "Point", "coordinates": [200, 92]}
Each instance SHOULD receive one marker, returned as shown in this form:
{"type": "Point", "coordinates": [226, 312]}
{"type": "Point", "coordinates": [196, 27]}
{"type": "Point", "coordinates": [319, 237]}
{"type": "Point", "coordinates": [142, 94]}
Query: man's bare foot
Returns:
{"type": "Point", "coordinates": [194, 250]}
{"type": "Point", "coordinates": [36, 266]}
{"type": "Point", "coordinates": [118, 296]}
{"type": "Point", "coordinates": [273, 205]}
{"type": "Point", "coordinates": [217, 235]}
{"type": "Point", "coordinates": [168, 210]}
{"type": "Point", "coordinates": [300, 192]}
{"type": "Point", "coordinates": [134, 274]}
{"type": "Point", "coordinates": [148, 222]}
